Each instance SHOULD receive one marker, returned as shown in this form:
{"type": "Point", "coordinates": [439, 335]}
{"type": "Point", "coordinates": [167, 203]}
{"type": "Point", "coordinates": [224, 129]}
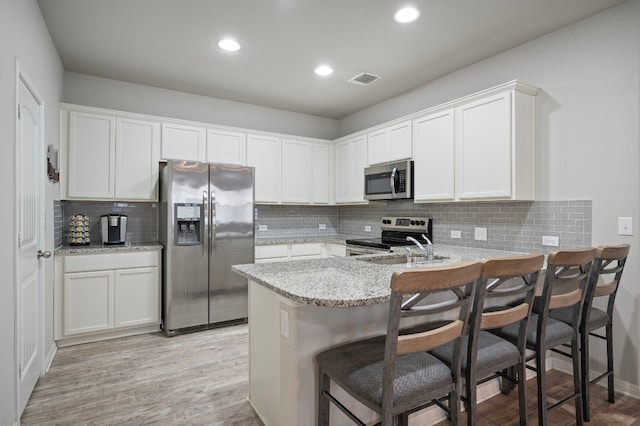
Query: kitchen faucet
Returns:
{"type": "Point", "coordinates": [428, 251]}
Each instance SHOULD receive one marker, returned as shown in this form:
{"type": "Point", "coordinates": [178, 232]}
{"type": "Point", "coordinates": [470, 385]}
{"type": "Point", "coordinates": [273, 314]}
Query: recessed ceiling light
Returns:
{"type": "Point", "coordinates": [324, 70]}
{"type": "Point", "coordinates": [229, 44]}
{"type": "Point", "coordinates": [406, 14]}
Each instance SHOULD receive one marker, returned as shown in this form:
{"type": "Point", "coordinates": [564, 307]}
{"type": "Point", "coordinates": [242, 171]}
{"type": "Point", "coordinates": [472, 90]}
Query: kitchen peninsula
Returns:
{"type": "Point", "coordinates": [298, 308]}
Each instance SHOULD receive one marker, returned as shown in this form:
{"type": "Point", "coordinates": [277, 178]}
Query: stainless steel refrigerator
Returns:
{"type": "Point", "coordinates": [206, 214]}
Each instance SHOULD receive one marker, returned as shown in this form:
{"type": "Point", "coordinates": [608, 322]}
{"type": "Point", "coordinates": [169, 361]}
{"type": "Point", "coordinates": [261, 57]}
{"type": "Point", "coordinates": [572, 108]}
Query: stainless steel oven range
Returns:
{"type": "Point", "coordinates": [395, 231]}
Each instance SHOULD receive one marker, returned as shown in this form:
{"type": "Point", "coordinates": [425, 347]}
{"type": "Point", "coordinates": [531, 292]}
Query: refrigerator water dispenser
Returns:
{"type": "Point", "coordinates": [188, 222]}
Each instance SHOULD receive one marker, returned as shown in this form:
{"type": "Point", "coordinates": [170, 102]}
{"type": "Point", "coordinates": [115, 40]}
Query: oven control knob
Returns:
{"type": "Point", "coordinates": [422, 222]}
{"type": "Point", "coordinates": [413, 222]}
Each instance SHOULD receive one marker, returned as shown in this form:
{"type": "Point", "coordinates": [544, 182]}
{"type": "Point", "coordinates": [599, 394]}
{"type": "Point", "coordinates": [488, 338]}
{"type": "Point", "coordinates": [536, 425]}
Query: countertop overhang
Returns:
{"type": "Point", "coordinates": [351, 281]}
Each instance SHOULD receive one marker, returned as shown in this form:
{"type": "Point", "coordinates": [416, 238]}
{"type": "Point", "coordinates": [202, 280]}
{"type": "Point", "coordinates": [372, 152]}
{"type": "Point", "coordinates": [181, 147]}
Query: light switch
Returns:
{"type": "Point", "coordinates": [625, 226]}
{"type": "Point", "coordinates": [262, 227]}
{"type": "Point", "coordinates": [367, 228]}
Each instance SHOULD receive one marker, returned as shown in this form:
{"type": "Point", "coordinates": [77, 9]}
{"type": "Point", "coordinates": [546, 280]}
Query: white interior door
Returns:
{"type": "Point", "coordinates": [29, 169]}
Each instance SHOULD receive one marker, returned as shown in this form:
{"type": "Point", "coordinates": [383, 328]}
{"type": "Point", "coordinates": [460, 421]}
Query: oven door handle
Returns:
{"type": "Point", "coordinates": [392, 181]}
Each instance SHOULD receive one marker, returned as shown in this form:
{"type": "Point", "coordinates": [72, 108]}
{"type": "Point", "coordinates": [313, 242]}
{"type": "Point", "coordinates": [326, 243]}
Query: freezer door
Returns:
{"type": "Point", "coordinates": [232, 240]}
{"type": "Point", "coordinates": [184, 220]}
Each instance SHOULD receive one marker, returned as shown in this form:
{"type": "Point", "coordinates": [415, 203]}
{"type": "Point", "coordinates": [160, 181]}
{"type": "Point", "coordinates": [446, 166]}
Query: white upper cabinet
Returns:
{"type": "Point", "coordinates": [495, 145]}
{"type": "Point", "coordinates": [342, 186]}
{"type": "Point", "coordinates": [321, 166]}
{"type": "Point", "coordinates": [108, 157]}
{"type": "Point", "coordinates": [91, 155]}
{"type": "Point", "coordinates": [481, 147]}
{"type": "Point", "coordinates": [137, 155]}
{"type": "Point", "coordinates": [350, 162]}
{"type": "Point", "coordinates": [228, 147]}
{"type": "Point", "coordinates": [389, 143]}
{"type": "Point", "coordinates": [263, 153]}
{"type": "Point", "coordinates": [183, 142]}
{"type": "Point", "coordinates": [296, 171]}
{"type": "Point", "coordinates": [433, 157]}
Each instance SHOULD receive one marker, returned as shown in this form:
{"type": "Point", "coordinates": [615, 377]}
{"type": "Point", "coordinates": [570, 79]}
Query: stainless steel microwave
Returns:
{"type": "Point", "coordinates": [390, 181]}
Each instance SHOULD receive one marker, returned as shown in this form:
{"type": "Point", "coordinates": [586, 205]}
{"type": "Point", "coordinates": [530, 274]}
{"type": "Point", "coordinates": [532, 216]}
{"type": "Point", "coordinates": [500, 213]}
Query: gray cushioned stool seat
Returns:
{"type": "Point", "coordinates": [597, 317]}
{"type": "Point", "coordinates": [358, 366]}
{"type": "Point", "coordinates": [494, 353]}
{"type": "Point", "coordinates": [557, 332]}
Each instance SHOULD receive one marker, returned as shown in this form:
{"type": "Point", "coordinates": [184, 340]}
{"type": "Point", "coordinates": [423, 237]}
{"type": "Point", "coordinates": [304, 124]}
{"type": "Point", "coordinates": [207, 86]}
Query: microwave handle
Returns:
{"type": "Point", "coordinates": [392, 181]}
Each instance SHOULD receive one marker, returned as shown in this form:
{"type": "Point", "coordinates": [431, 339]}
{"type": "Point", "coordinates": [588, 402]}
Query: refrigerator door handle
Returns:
{"type": "Point", "coordinates": [205, 233]}
{"type": "Point", "coordinates": [212, 227]}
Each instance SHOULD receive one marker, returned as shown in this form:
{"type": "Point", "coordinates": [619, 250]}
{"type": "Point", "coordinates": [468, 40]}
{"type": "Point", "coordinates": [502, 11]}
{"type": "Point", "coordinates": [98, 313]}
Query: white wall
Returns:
{"type": "Point", "coordinates": [22, 35]}
{"type": "Point", "coordinates": [112, 94]}
{"type": "Point", "coordinates": [587, 134]}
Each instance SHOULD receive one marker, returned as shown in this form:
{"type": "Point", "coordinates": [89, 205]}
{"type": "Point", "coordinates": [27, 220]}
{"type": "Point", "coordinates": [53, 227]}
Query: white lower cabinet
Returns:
{"type": "Point", "coordinates": [106, 295]}
{"type": "Point", "coordinates": [298, 251]}
{"type": "Point", "coordinates": [88, 302]}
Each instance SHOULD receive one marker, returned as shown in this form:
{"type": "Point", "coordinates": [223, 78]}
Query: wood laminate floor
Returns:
{"type": "Point", "coordinates": [202, 379]}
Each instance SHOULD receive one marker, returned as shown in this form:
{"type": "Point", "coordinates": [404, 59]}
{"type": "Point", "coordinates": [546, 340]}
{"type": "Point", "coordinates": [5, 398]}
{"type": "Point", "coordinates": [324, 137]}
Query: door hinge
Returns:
{"type": "Point", "coordinates": [19, 114]}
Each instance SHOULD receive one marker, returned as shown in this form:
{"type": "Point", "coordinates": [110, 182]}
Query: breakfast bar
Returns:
{"type": "Point", "coordinates": [299, 308]}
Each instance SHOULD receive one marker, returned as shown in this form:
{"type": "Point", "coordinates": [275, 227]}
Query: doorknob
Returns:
{"type": "Point", "coordinates": [45, 254]}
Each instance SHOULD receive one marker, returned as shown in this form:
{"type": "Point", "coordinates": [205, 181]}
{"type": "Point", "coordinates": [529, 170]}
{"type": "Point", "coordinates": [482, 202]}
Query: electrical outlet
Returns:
{"type": "Point", "coordinates": [456, 234]}
{"type": "Point", "coordinates": [322, 226]}
{"type": "Point", "coordinates": [262, 227]}
{"type": "Point", "coordinates": [480, 234]}
{"type": "Point", "coordinates": [550, 241]}
{"type": "Point", "coordinates": [625, 226]}
{"type": "Point", "coordinates": [284, 323]}
{"type": "Point", "coordinates": [367, 228]}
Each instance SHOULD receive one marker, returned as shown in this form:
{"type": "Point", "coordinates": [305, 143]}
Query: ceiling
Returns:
{"type": "Point", "coordinates": [172, 44]}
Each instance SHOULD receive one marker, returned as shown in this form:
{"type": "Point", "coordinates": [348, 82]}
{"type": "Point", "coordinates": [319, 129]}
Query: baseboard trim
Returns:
{"type": "Point", "coordinates": [49, 357]}
{"type": "Point", "coordinates": [565, 366]}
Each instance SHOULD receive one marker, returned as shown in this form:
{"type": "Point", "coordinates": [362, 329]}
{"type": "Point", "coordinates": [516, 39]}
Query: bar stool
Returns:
{"type": "Point", "coordinates": [565, 284]}
{"type": "Point", "coordinates": [604, 282]}
{"type": "Point", "coordinates": [505, 296]}
{"type": "Point", "coordinates": [394, 374]}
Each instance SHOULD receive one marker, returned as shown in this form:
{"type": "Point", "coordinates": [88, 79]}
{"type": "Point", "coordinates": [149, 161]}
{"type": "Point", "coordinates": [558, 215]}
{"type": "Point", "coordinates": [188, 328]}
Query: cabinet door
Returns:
{"type": "Point", "coordinates": [137, 155]}
{"type": "Point", "coordinates": [226, 147]}
{"type": "Point", "coordinates": [342, 172]}
{"type": "Point", "coordinates": [296, 171]}
{"type": "Point", "coordinates": [137, 297]}
{"type": "Point", "coordinates": [88, 302]}
{"type": "Point", "coordinates": [181, 142]}
{"type": "Point", "coordinates": [321, 173]}
{"type": "Point", "coordinates": [358, 164]}
{"type": "Point", "coordinates": [434, 159]}
{"type": "Point", "coordinates": [400, 141]}
{"type": "Point", "coordinates": [377, 146]}
{"type": "Point", "coordinates": [484, 142]}
{"type": "Point", "coordinates": [91, 156]}
{"type": "Point", "coordinates": [263, 153]}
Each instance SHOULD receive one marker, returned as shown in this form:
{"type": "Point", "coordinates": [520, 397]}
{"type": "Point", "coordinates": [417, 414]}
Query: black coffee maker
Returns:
{"type": "Point", "coordinates": [114, 228]}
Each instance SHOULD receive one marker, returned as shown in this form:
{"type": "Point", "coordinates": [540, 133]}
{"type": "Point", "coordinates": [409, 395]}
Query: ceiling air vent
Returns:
{"type": "Point", "coordinates": [364, 79]}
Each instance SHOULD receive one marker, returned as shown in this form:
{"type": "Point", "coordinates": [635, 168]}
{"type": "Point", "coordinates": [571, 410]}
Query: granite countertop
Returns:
{"type": "Point", "coordinates": [102, 248]}
{"type": "Point", "coordinates": [351, 281]}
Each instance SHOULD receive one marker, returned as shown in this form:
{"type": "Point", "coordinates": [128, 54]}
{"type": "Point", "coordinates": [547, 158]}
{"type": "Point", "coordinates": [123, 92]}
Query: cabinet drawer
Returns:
{"type": "Point", "coordinates": [336, 250]}
{"type": "Point", "coordinates": [310, 249]}
{"type": "Point", "coordinates": [123, 260]}
{"type": "Point", "coordinates": [272, 251]}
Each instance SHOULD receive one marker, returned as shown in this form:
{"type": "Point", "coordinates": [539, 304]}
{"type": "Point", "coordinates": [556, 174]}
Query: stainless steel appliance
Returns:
{"type": "Point", "coordinates": [391, 181]}
{"type": "Point", "coordinates": [206, 225]}
{"type": "Point", "coordinates": [395, 231]}
{"type": "Point", "coordinates": [114, 228]}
